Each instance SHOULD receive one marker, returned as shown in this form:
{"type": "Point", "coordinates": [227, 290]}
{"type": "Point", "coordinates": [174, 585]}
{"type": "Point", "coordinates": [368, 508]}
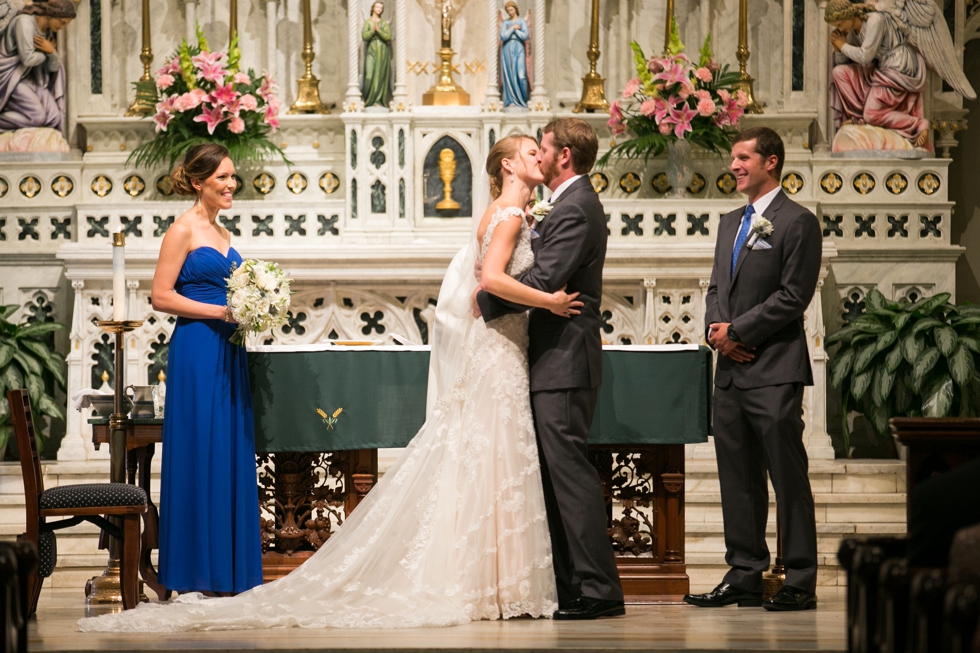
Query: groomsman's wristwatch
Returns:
{"type": "Point", "coordinates": [732, 335]}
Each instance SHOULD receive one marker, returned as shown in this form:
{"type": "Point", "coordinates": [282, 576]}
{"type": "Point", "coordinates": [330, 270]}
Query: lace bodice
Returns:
{"type": "Point", "coordinates": [523, 258]}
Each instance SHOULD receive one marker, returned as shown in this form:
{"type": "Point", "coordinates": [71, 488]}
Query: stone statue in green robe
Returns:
{"type": "Point", "coordinates": [376, 80]}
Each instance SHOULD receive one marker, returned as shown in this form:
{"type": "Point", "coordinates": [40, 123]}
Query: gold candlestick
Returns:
{"type": "Point", "coordinates": [593, 85]}
{"type": "Point", "coordinates": [146, 95]}
{"type": "Point", "coordinates": [308, 98]}
{"type": "Point", "coordinates": [447, 172]}
{"type": "Point", "coordinates": [446, 92]}
{"type": "Point", "coordinates": [232, 20]}
{"type": "Point", "coordinates": [742, 54]}
{"type": "Point", "coordinates": [668, 28]}
{"type": "Point", "coordinates": [107, 589]}
{"type": "Point", "coordinates": [773, 581]}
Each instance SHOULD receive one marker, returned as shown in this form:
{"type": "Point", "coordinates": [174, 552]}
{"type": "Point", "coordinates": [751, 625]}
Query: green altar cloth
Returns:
{"type": "Point", "coordinates": [649, 395]}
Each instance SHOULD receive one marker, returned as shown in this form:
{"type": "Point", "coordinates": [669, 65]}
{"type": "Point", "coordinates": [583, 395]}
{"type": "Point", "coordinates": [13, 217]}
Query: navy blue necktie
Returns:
{"type": "Point", "coordinates": [743, 235]}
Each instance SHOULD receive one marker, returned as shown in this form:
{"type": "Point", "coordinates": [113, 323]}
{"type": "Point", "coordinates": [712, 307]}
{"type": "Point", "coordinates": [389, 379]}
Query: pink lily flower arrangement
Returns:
{"type": "Point", "coordinates": [675, 98]}
{"type": "Point", "coordinates": [203, 96]}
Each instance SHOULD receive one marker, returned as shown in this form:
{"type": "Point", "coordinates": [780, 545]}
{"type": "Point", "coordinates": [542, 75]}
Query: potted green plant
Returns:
{"type": "Point", "coordinates": [902, 359]}
{"type": "Point", "coordinates": [24, 359]}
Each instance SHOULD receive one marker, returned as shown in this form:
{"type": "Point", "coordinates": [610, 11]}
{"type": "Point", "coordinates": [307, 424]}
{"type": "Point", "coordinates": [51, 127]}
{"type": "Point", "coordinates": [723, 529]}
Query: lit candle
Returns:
{"type": "Point", "coordinates": [118, 276]}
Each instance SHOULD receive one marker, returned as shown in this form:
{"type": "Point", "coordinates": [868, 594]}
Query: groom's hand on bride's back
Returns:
{"type": "Point", "coordinates": [474, 305]}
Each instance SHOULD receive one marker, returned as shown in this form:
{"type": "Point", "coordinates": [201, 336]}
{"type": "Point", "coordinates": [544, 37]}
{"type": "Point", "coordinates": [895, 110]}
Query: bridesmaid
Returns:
{"type": "Point", "coordinates": [209, 512]}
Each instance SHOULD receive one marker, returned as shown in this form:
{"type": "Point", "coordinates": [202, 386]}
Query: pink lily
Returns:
{"type": "Point", "coordinates": [663, 108]}
{"type": "Point", "coordinates": [673, 73]}
{"type": "Point", "coordinates": [271, 119]}
{"type": "Point", "coordinates": [267, 89]}
{"type": "Point", "coordinates": [211, 66]}
{"type": "Point", "coordinates": [212, 117]}
{"type": "Point", "coordinates": [682, 117]}
{"type": "Point", "coordinates": [224, 95]}
{"type": "Point", "coordinates": [164, 113]}
{"type": "Point", "coordinates": [172, 67]}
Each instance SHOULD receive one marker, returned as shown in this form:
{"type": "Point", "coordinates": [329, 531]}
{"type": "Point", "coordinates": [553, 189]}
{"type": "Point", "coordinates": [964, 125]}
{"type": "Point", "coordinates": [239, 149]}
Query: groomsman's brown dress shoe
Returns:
{"type": "Point", "coordinates": [589, 608]}
{"type": "Point", "coordinates": [723, 595]}
{"type": "Point", "coordinates": [789, 599]}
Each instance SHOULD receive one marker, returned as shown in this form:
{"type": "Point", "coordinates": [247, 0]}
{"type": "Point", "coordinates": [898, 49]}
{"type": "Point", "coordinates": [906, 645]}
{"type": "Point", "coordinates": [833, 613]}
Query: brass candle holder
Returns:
{"type": "Point", "coordinates": [308, 97]}
{"type": "Point", "coordinates": [772, 581]}
{"type": "Point", "coordinates": [146, 98]}
{"type": "Point", "coordinates": [745, 81]}
{"type": "Point", "coordinates": [106, 589]}
{"type": "Point", "coordinates": [593, 85]}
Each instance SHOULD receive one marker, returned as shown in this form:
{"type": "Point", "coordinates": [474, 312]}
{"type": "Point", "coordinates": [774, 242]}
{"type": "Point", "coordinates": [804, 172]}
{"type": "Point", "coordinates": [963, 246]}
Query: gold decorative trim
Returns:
{"type": "Point", "coordinates": [330, 420]}
{"type": "Point", "coordinates": [864, 183]}
{"type": "Point", "coordinates": [599, 181]}
{"type": "Point", "coordinates": [29, 186]}
{"type": "Point", "coordinates": [134, 185]}
{"type": "Point", "coordinates": [792, 183]}
{"type": "Point", "coordinates": [264, 183]}
{"type": "Point", "coordinates": [629, 183]}
{"type": "Point", "coordinates": [726, 183]}
{"type": "Point", "coordinates": [329, 183]}
{"type": "Point", "coordinates": [101, 186]}
{"type": "Point", "coordinates": [698, 184]}
{"type": "Point", "coordinates": [896, 183]}
{"type": "Point", "coordinates": [239, 186]}
{"type": "Point", "coordinates": [296, 183]}
{"type": "Point", "coordinates": [928, 183]}
{"type": "Point", "coordinates": [62, 186]}
{"type": "Point", "coordinates": [163, 186]}
{"type": "Point", "coordinates": [831, 183]}
{"type": "Point", "coordinates": [659, 183]}
{"type": "Point", "coordinates": [4, 187]}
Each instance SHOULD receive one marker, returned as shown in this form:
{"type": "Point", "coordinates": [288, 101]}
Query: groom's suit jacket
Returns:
{"type": "Point", "coordinates": [765, 299]}
{"type": "Point", "coordinates": [570, 249]}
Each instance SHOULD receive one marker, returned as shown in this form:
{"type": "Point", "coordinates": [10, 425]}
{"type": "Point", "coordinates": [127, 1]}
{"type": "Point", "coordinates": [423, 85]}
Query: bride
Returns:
{"type": "Point", "coordinates": [456, 530]}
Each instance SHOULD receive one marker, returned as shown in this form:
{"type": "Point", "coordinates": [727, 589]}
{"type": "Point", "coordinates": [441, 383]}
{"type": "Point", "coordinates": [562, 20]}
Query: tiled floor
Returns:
{"type": "Point", "coordinates": [659, 628]}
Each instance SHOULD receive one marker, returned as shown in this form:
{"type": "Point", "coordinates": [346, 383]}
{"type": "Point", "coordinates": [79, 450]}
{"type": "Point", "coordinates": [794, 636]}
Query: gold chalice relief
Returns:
{"type": "Point", "coordinates": [447, 172]}
{"type": "Point", "coordinates": [329, 420]}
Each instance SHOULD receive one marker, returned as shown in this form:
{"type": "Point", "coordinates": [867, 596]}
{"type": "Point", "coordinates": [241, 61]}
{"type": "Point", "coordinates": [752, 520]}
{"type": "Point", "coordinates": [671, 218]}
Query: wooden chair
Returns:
{"type": "Point", "coordinates": [84, 502]}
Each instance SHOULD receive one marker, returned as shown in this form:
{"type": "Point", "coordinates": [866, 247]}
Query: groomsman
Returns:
{"type": "Point", "coordinates": [767, 259]}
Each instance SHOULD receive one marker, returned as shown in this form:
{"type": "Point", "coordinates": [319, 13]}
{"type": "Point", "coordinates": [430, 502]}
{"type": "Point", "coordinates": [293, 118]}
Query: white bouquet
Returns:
{"type": "Point", "coordinates": [258, 297]}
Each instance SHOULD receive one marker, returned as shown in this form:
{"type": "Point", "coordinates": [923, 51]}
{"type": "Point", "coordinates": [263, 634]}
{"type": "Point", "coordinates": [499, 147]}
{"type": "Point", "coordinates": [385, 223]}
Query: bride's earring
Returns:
{"type": "Point", "coordinates": [512, 178]}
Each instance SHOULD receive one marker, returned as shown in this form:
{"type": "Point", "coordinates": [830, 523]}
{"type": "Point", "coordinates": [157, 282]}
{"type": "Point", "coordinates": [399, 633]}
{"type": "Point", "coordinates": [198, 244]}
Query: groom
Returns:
{"type": "Point", "coordinates": [565, 358]}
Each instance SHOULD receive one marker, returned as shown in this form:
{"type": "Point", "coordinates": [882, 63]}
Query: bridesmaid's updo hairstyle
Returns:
{"type": "Point", "coordinates": [505, 148]}
{"type": "Point", "coordinates": [200, 162]}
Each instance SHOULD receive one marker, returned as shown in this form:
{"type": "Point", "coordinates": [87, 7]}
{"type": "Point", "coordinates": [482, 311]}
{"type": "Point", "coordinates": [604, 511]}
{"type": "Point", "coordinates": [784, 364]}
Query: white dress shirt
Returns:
{"type": "Point", "coordinates": [564, 186]}
{"type": "Point", "coordinates": [760, 205]}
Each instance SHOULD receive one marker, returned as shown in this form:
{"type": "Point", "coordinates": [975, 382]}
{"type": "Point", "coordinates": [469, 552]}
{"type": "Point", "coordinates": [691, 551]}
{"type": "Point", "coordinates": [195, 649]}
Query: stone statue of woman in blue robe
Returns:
{"type": "Point", "coordinates": [376, 81]}
{"type": "Point", "coordinates": [515, 39]}
{"type": "Point", "coordinates": [32, 80]}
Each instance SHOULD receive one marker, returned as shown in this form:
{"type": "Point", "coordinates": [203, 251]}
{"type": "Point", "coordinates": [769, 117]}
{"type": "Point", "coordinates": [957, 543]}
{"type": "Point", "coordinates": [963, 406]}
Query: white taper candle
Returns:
{"type": "Point", "coordinates": [118, 276]}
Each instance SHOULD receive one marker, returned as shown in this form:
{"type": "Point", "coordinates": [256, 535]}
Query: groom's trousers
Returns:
{"type": "Point", "coordinates": [756, 431]}
{"type": "Point", "coordinates": [583, 557]}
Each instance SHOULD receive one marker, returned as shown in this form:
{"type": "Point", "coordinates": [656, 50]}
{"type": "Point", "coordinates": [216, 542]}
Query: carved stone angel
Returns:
{"type": "Point", "coordinates": [516, 61]}
{"type": "Point", "coordinates": [881, 53]}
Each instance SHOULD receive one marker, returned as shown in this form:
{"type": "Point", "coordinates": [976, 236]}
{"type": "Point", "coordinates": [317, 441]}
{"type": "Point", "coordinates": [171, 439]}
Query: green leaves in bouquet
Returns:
{"type": "Point", "coordinates": [27, 361]}
{"type": "Point", "coordinates": [908, 359]}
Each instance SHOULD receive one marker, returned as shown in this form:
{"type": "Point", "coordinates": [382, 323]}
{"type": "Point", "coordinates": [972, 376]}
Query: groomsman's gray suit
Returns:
{"type": "Point", "coordinates": [758, 406]}
{"type": "Point", "coordinates": [565, 357]}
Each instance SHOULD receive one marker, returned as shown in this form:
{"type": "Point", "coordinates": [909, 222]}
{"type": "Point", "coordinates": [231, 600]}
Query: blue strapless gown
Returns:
{"type": "Point", "coordinates": [209, 506]}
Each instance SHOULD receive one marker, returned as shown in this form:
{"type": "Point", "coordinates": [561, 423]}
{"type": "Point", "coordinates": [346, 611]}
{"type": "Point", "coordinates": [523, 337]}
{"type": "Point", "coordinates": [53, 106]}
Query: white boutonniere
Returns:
{"type": "Point", "coordinates": [761, 228]}
{"type": "Point", "coordinates": [540, 211]}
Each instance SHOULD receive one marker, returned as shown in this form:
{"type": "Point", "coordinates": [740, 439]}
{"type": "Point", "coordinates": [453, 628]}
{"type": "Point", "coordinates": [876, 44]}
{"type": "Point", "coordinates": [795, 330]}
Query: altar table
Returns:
{"type": "Point", "coordinates": [351, 401]}
{"type": "Point", "coordinates": [323, 411]}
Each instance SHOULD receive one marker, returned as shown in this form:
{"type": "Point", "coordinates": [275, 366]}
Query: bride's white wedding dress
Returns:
{"type": "Point", "coordinates": [455, 531]}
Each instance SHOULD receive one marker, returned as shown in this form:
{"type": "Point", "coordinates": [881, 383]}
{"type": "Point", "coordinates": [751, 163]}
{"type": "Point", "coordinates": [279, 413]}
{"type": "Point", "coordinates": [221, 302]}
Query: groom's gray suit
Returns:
{"type": "Point", "coordinates": [758, 405]}
{"type": "Point", "coordinates": [565, 357]}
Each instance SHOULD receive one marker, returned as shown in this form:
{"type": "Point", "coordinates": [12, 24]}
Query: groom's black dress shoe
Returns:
{"type": "Point", "coordinates": [589, 608]}
{"type": "Point", "coordinates": [789, 599]}
{"type": "Point", "coordinates": [723, 595]}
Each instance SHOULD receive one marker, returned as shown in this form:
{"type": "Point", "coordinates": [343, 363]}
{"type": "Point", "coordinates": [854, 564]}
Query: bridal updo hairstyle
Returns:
{"type": "Point", "coordinates": [505, 148]}
{"type": "Point", "coordinates": [200, 162]}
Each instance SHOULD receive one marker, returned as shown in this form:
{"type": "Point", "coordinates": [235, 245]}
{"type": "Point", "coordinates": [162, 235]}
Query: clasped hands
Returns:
{"type": "Point", "coordinates": [837, 40]}
{"type": "Point", "coordinates": [718, 338]}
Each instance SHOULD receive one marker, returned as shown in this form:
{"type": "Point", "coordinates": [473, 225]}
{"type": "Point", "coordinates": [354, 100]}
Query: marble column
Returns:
{"type": "Point", "coordinates": [73, 446]}
{"type": "Point", "coordinates": [400, 95]}
{"type": "Point", "coordinates": [353, 98]}
{"type": "Point", "coordinates": [539, 95]}
{"type": "Point", "coordinates": [825, 118]}
{"type": "Point", "coordinates": [650, 313]}
{"type": "Point", "coordinates": [190, 19]}
{"type": "Point", "coordinates": [492, 101]}
{"type": "Point", "coordinates": [271, 40]}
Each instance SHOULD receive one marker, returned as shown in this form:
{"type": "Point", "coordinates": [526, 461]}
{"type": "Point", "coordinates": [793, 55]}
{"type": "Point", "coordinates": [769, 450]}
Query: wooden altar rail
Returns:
{"type": "Point", "coordinates": [643, 486]}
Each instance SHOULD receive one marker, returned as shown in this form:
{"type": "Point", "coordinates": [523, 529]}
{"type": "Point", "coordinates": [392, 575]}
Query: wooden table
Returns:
{"type": "Point", "coordinates": [935, 445]}
{"type": "Point", "coordinates": [307, 488]}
